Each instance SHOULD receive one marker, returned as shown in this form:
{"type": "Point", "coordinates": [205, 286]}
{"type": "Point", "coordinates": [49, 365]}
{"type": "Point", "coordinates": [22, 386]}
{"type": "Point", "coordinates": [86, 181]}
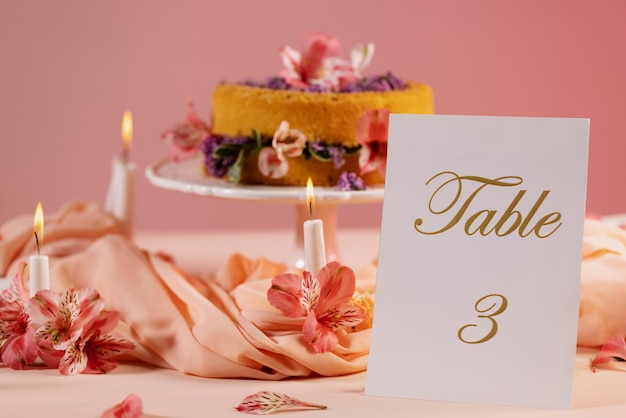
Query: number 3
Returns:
{"type": "Point", "coordinates": [484, 313]}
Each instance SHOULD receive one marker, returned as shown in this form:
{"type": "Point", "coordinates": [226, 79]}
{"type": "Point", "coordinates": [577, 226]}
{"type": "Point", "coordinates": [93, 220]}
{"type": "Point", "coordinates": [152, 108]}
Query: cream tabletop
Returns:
{"type": "Point", "coordinates": [168, 393]}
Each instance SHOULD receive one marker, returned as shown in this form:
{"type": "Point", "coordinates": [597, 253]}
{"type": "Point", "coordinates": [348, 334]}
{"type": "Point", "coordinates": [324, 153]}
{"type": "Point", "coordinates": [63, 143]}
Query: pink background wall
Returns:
{"type": "Point", "coordinates": [68, 70]}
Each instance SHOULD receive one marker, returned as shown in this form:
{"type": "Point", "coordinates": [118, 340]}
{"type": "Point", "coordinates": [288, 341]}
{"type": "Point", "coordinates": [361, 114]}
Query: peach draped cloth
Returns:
{"type": "Point", "coordinates": [602, 311]}
{"type": "Point", "coordinates": [218, 326]}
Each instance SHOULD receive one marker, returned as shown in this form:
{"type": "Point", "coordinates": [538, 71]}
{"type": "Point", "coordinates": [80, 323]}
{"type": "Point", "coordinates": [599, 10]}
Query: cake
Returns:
{"type": "Point", "coordinates": [320, 118]}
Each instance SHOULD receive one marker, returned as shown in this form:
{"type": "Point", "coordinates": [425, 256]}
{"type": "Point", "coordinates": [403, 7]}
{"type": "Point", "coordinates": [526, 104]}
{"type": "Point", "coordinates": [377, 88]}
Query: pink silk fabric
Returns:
{"type": "Point", "coordinates": [221, 326]}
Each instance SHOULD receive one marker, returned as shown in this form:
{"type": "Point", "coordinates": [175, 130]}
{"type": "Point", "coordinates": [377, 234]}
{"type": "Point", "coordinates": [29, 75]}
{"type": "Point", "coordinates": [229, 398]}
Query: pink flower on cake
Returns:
{"type": "Point", "coordinates": [322, 298]}
{"type": "Point", "coordinates": [271, 164]}
{"type": "Point", "coordinates": [312, 65]}
{"type": "Point", "coordinates": [371, 132]}
{"type": "Point", "coordinates": [186, 137]}
{"type": "Point", "coordinates": [288, 142]}
{"type": "Point", "coordinates": [318, 63]}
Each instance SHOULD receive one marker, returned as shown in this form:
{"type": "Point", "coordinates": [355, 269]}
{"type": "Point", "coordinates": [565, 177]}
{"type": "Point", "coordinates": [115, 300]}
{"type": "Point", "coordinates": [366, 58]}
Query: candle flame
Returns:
{"type": "Point", "coordinates": [127, 129]}
{"type": "Point", "coordinates": [38, 223]}
{"type": "Point", "coordinates": [310, 197]}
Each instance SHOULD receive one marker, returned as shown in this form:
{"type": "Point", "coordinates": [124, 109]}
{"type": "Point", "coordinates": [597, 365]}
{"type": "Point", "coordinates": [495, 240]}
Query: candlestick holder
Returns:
{"type": "Point", "coordinates": [186, 177]}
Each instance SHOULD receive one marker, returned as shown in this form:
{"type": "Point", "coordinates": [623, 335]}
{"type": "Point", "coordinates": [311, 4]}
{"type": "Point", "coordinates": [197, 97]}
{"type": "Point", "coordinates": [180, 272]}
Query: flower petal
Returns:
{"type": "Point", "coordinates": [288, 142]}
{"type": "Point", "coordinates": [18, 288]}
{"type": "Point", "coordinates": [43, 307]}
{"type": "Point", "coordinates": [20, 350]}
{"type": "Point", "coordinates": [106, 321]}
{"type": "Point", "coordinates": [321, 338]}
{"type": "Point", "coordinates": [337, 284]}
{"type": "Point", "coordinates": [271, 164]}
{"type": "Point", "coordinates": [614, 348]}
{"type": "Point", "coordinates": [285, 293]}
{"type": "Point", "coordinates": [372, 126]}
{"type": "Point", "coordinates": [73, 362]}
{"type": "Point", "coordinates": [130, 407]}
{"type": "Point", "coordinates": [310, 293]}
{"type": "Point", "coordinates": [345, 316]}
{"type": "Point", "coordinates": [102, 351]}
{"type": "Point", "coordinates": [361, 56]}
{"type": "Point", "coordinates": [86, 304]}
{"type": "Point", "coordinates": [263, 403]}
{"type": "Point", "coordinates": [317, 47]}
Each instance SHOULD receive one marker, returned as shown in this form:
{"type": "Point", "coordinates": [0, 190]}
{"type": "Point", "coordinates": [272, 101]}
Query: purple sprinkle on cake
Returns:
{"type": "Point", "coordinates": [375, 83]}
{"type": "Point", "coordinates": [350, 181]}
{"type": "Point", "coordinates": [218, 167]}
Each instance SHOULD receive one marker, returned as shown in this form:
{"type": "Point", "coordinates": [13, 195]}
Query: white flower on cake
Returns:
{"type": "Point", "coordinates": [272, 162]}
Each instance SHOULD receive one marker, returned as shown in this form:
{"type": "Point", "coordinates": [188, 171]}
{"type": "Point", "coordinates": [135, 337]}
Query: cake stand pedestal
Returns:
{"type": "Point", "coordinates": [187, 177]}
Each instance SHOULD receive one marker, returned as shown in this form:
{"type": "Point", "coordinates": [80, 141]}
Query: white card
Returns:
{"type": "Point", "coordinates": [480, 256]}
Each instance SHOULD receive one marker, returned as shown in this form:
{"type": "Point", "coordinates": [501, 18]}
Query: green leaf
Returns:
{"type": "Point", "coordinates": [227, 150]}
{"type": "Point", "coordinates": [234, 172]}
{"type": "Point", "coordinates": [353, 150]}
{"type": "Point", "coordinates": [319, 156]}
{"type": "Point", "coordinates": [257, 137]}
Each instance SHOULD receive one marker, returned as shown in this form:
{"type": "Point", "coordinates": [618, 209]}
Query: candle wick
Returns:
{"type": "Point", "coordinates": [311, 209]}
{"type": "Point", "coordinates": [37, 242]}
{"type": "Point", "coordinates": [125, 154]}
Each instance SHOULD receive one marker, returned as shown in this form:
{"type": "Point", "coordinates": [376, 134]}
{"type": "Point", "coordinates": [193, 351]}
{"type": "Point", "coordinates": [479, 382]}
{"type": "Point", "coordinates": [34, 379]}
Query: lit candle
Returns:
{"type": "Point", "coordinates": [120, 197]}
{"type": "Point", "coordinates": [314, 250]}
{"type": "Point", "coordinates": [38, 264]}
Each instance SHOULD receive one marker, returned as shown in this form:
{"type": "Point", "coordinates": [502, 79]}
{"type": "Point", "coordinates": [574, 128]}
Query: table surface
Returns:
{"type": "Point", "coordinates": [168, 393]}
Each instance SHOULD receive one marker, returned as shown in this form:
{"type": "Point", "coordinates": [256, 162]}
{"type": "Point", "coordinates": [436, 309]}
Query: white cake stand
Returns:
{"type": "Point", "coordinates": [187, 177]}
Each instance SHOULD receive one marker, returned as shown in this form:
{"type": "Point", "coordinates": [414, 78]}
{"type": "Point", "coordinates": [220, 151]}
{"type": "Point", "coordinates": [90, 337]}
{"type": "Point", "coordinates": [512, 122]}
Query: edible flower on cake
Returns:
{"type": "Point", "coordinates": [186, 137]}
{"type": "Point", "coordinates": [371, 132]}
{"type": "Point", "coordinates": [318, 64]}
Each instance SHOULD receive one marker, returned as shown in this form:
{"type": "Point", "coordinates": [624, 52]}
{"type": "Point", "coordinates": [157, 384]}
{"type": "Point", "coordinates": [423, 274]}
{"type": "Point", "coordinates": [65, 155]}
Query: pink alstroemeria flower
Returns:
{"type": "Point", "coordinates": [371, 132]}
{"type": "Point", "coordinates": [322, 298]}
{"type": "Point", "coordinates": [318, 63]}
{"type": "Point", "coordinates": [288, 142]}
{"type": "Point", "coordinates": [60, 318]}
{"type": "Point", "coordinates": [95, 351]}
{"type": "Point", "coordinates": [312, 64]}
{"type": "Point", "coordinates": [186, 137]}
{"type": "Point", "coordinates": [72, 331]}
{"type": "Point", "coordinates": [271, 164]}
{"type": "Point", "coordinates": [17, 345]}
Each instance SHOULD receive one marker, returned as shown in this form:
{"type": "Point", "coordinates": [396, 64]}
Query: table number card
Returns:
{"type": "Point", "coordinates": [480, 257]}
